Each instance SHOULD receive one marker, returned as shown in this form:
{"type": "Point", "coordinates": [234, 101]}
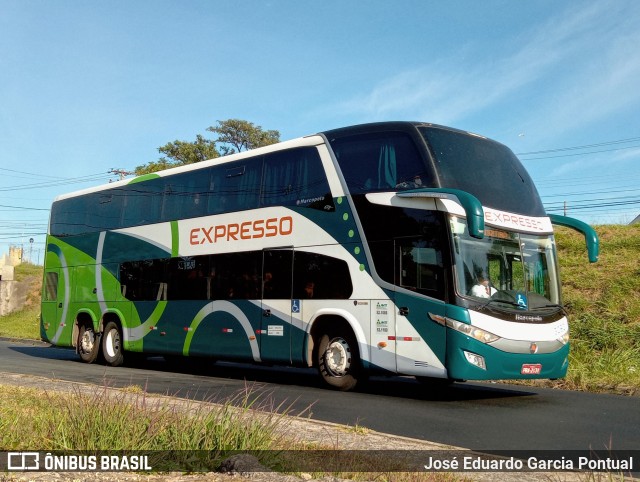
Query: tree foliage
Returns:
{"type": "Point", "coordinates": [241, 135]}
{"type": "Point", "coordinates": [233, 135]}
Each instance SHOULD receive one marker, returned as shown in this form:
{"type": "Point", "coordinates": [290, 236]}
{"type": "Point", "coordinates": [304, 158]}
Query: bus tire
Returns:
{"type": "Point", "coordinates": [88, 343]}
{"type": "Point", "coordinates": [112, 351]}
{"type": "Point", "coordinates": [338, 360]}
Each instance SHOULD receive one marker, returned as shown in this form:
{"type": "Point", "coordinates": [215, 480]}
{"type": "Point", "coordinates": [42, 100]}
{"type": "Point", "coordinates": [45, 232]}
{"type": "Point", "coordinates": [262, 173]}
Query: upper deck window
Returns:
{"type": "Point", "coordinates": [293, 177]}
{"type": "Point", "coordinates": [381, 161]}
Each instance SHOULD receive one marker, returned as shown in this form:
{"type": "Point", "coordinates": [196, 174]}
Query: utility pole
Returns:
{"type": "Point", "coordinates": [565, 208]}
{"type": "Point", "coordinates": [120, 172]}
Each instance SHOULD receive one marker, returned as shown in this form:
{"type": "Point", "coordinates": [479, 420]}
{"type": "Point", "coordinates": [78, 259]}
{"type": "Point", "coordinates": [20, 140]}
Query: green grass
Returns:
{"type": "Point", "coordinates": [25, 323]}
{"type": "Point", "coordinates": [27, 270]}
{"type": "Point", "coordinates": [109, 420]}
{"type": "Point", "coordinates": [21, 324]}
{"type": "Point", "coordinates": [189, 436]}
{"type": "Point", "coordinates": [604, 310]}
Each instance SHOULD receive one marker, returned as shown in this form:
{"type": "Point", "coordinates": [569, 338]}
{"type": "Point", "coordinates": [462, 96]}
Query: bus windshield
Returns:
{"type": "Point", "coordinates": [512, 271]}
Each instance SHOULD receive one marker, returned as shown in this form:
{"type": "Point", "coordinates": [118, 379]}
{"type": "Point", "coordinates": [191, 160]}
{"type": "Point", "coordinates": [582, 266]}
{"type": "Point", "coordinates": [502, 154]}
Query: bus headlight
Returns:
{"type": "Point", "coordinates": [472, 331]}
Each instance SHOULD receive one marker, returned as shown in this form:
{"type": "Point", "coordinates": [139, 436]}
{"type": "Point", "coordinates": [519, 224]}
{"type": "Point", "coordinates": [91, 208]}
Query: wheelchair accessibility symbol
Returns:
{"type": "Point", "coordinates": [295, 306]}
{"type": "Point", "coordinates": [521, 300]}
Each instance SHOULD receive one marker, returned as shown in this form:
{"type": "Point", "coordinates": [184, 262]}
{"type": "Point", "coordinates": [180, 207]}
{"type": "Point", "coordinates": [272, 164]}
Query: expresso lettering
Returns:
{"type": "Point", "coordinates": [259, 228]}
{"type": "Point", "coordinates": [514, 220]}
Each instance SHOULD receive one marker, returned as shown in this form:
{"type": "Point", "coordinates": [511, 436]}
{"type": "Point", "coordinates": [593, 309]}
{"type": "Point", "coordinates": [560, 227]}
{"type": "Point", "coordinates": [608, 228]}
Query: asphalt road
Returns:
{"type": "Point", "coordinates": [478, 416]}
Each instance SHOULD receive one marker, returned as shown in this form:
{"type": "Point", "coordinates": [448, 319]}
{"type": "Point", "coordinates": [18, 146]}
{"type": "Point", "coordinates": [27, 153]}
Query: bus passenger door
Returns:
{"type": "Point", "coordinates": [420, 342]}
{"type": "Point", "coordinates": [275, 326]}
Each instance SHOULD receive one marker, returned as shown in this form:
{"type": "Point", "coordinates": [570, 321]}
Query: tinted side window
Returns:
{"type": "Point", "coordinates": [51, 286]}
{"type": "Point", "coordinates": [185, 195]}
{"type": "Point", "coordinates": [188, 278]}
{"type": "Point", "coordinates": [69, 217]}
{"type": "Point", "coordinates": [408, 246]}
{"type": "Point", "coordinates": [144, 280]}
{"type": "Point", "coordinates": [212, 277]}
{"type": "Point", "coordinates": [239, 185]}
{"type": "Point", "coordinates": [319, 276]}
{"type": "Point", "coordinates": [294, 178]}
{"type": "Point", "coordinates": [142, 203]}
{"type": "Point", "coordinates": [277, 276]}
{"type": "Point", "coordinates": [104, 210]}
{"type": "Point", "coordinates": [381, 162]}
{"type": "Point", "coordinates": [236, 276]}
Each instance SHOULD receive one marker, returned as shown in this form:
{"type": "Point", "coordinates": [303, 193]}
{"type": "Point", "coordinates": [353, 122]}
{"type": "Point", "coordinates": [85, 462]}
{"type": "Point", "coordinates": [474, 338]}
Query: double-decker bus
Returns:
{"type": "Point", "coordinates": [389, 248]}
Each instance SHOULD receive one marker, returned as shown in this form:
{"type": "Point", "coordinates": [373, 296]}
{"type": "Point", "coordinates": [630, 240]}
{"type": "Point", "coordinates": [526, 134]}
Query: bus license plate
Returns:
{"type": "Point", "coordinates": [531, 369]}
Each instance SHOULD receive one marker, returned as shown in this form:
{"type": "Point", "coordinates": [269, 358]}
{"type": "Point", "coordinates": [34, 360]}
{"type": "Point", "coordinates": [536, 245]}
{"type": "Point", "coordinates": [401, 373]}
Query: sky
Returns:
{"type": "Point", "coordinates": [87, 87]}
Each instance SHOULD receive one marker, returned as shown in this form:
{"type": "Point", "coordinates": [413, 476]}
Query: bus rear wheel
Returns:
{"type": "Point", "coordinates": [88, 343]}
{"type": "Point", "coordinates": [338, 361]}
{"type": "Point", "coordinates": [112, 345]}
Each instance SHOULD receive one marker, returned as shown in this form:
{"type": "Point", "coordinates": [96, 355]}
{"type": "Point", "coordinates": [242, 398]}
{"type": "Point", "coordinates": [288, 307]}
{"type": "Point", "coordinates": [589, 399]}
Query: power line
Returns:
{"type": "Point", "coordinates": [90, 178]}
{"type": "Point", "coordinates": [594, 206]}
{"type": "Point", "coordinates": [600, 180]}
{"type": "Point", "coordinates": [598, 199]}
{"type": "Point", "coordinates": [23, 208]}
{"type": "Point", "coordinates": [584, 193]}
{"type": "Point", "coordinates": [587, 146]}
{"type": "Point", "coordinates": [582, 153]}
{"type": "Point", "coordinates": [30, 173]}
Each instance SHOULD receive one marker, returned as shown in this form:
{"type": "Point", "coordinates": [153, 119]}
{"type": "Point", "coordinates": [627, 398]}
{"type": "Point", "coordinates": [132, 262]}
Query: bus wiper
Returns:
{"type": "Point", "coordinates": [551, 305]}
{"type": "Point", "coordinates": [493, 300]}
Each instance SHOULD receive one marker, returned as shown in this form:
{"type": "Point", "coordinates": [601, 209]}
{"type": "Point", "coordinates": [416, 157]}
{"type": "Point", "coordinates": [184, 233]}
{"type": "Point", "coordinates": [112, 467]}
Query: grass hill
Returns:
{"type": "Point", "coordinates": [603, 303]}
{"type": "Point", "coordinates": [24, 323]}
{"type": "Point", "coordinates": [604, 309]}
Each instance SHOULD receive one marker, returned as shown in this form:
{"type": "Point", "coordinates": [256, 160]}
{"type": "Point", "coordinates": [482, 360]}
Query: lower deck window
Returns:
{"type": "Point", "coordinates": [269, 274]}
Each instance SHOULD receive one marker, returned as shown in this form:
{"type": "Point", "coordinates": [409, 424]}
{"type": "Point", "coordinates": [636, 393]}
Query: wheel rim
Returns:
{"type": "Point", "coordinates": [88, 340]}
{"type": "Point", "coordinates": [338, 357]}
{"type": "Point", "coordinates": [112, 344]}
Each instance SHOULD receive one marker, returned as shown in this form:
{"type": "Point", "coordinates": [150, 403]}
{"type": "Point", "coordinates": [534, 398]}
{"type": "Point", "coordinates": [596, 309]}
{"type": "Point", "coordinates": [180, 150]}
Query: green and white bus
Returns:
{"type": "Point", "coordinates": [389, 248]}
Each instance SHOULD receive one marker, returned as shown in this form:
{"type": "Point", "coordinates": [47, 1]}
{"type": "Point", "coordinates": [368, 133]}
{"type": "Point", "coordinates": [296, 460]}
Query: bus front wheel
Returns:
{"type": "Point", "coordinates": [88, 343]}
{"type": "Point", "coordinates": [112, 345]}
{"type": "Point", "coordinates": [338, 361]}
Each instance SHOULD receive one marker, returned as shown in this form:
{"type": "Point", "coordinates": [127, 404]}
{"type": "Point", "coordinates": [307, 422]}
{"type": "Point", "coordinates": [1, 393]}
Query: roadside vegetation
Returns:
{"type": "Point", "coordinates": [184, 435]}
{"type": "Point", "coordinates": [110, 420]}
{"type": "Point", "coordinates": [25, 323]}
{"type": "Point", "coordinates": [603, 303]}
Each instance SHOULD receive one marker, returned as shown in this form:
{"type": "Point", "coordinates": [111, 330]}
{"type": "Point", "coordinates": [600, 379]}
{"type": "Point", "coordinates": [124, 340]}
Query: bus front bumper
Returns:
{"type": "Point", "coordinates": [469, 359]}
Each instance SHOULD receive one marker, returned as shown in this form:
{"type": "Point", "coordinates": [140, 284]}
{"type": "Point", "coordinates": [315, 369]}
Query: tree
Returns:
{"type": "Point", "coordinates": [234, 135]}
{"type": "Point", "coordinates": [242, 135]}
{"type": "Point", "coordinates": [179, 153]}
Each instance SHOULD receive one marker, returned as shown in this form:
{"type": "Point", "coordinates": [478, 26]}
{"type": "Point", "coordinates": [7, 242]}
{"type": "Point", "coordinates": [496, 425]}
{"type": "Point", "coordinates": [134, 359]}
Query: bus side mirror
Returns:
{"type": "Point", "coordinates": [590, 235]}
